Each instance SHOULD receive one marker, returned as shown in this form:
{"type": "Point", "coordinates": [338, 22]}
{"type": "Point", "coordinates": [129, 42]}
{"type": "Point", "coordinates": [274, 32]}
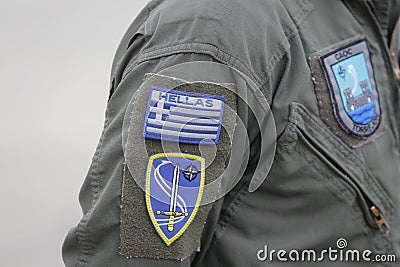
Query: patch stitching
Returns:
{"type": "Point", "coordinates": [342, 115]}
{"type": "Point", "coordinates": [150, 210]}
{"type": "Point", "coordinates": [324, 97]}
{"type": "Point", "coordinates": [199, 125]}
{"type": "Point", "coordinates": [138, 238]}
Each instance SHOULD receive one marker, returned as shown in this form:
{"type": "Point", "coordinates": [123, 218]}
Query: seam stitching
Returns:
{"type": "Point", "coordinates": [370, 182]}
{"type": "Point", "coordinates": [339, 185]}
{"type": "Point", "coordinates": [238, 201]}
{"type": "Point", "coordinates": [83, 233]}
{"type": "Point", "coordinates": [202, 48]}
{"type": "Point", "coordinates": [210, 48]}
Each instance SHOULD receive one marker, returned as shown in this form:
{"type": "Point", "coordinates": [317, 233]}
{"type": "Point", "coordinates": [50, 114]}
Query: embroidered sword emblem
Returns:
{"type": "Point", "coordinates": [173, 194]}
{"type": "Point", "coordinates": [172, 213]}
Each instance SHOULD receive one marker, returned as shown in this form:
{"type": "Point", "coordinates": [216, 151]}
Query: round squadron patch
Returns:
{"type": "Point", "coordinates": [354, 94]}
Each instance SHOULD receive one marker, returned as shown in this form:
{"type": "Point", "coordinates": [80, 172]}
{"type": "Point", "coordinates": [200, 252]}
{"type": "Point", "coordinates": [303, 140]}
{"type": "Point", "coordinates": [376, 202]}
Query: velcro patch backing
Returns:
{"type": "Point", "coordinates": [139, 237]}
{"type": "Point", "coordinates": [346, 91]}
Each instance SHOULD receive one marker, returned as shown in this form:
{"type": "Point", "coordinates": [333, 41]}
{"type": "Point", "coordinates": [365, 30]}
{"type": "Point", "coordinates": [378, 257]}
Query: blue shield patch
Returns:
{"type": "Point", "coordinates": [183, 117]}
{"type": "Point", "coordinates": [354, 93]}
{"type": "Point", "coordinates": [174, 188]}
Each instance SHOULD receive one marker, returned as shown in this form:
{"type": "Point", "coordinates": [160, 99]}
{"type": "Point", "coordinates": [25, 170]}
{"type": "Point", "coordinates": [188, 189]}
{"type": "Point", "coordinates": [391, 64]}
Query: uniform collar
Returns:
{"type": "Point", "coordinates": [382, 11]}
{"type": "Point", "coordinates": [380, 8]}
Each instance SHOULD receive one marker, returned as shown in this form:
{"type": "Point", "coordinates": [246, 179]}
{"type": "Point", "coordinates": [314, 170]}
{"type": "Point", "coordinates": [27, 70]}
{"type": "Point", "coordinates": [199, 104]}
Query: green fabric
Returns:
{"type": "Point", "coordinates": [394, 16]}
{"type": "Point", "coordinates": [324, 97]}
{"type": "Point", "coordinates": [320, 188]}
{"type": "Point", "coordinates": [138, 237]}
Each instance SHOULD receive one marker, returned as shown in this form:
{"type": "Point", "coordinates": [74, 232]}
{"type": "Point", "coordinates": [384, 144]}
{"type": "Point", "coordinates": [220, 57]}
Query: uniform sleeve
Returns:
{"type": "Point", "coordinates": [117, 228]}
{"type": "Point", "coordinates": [96, 240]}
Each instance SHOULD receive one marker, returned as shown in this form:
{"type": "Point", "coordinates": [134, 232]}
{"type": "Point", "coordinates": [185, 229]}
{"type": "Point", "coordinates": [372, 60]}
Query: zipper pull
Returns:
{"type": "Point", "coordinates": [380, 220]}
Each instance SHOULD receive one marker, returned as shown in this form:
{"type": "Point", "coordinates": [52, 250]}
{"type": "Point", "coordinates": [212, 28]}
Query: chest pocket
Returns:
{"type": "Point", "coordinates": [342, 168]}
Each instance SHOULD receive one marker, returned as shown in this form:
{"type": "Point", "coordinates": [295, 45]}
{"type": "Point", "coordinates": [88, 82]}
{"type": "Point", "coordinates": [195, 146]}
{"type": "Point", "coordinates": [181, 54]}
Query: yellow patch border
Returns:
{"type": "Point", "coordinates": [150, 210]}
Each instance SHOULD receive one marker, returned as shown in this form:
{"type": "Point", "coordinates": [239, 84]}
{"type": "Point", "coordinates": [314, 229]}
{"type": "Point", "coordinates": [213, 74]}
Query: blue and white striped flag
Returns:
{"type": "Point", "coordinates": [183, 117]}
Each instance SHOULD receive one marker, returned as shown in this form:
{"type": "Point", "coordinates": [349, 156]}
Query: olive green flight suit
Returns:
{"type": "Point", "coordinates": [320, 188]}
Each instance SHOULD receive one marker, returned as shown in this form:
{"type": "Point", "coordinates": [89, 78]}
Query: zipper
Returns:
{"type": "Point", "coordinates": [394, 78]}
{"type": "Point", "coordinates": [374, 216]}
{"type": "Point", "coordinates": [378, 216]}
{"type": "Point", "coordinates": [380, 220]}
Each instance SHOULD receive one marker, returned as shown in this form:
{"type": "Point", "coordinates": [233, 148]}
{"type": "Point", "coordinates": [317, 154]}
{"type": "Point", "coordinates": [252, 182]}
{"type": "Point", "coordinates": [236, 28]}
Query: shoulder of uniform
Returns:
{"type": "Point", "coordinates": [250, 35]}
{"type": "Point", "coordinates": [226, 15]}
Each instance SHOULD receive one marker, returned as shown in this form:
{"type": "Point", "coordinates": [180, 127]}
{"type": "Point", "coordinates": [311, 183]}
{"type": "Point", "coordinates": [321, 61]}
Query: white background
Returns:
{"type": "Point", "coordinates": [55, 60]}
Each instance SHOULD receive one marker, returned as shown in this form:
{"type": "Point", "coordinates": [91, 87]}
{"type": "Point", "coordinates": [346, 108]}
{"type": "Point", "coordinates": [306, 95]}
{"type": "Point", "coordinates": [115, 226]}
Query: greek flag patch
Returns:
{"type": "Point", "coordinates": [183, 117]}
